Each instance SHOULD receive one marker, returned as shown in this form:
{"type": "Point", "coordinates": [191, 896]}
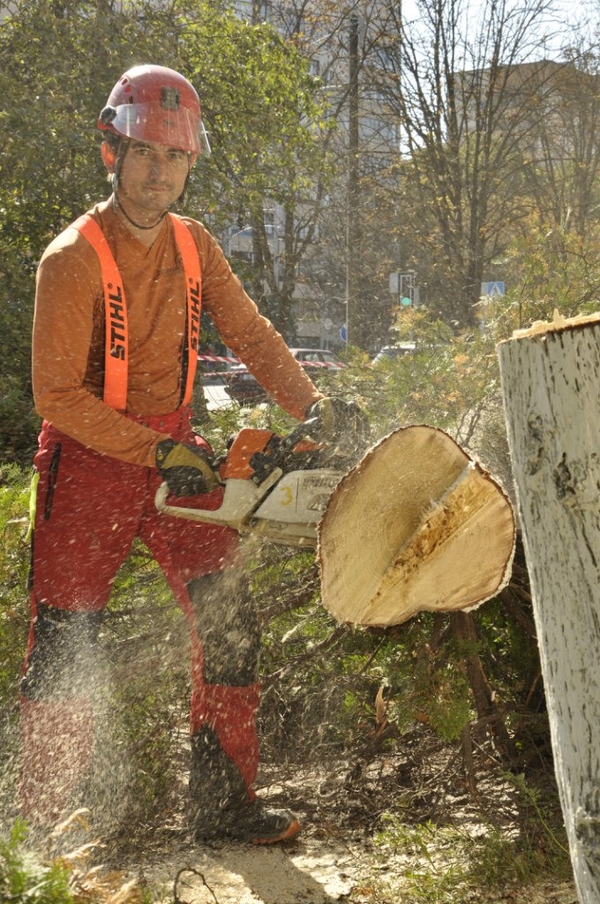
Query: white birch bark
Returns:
{"type": "Point", "coordinates": [551, 389]}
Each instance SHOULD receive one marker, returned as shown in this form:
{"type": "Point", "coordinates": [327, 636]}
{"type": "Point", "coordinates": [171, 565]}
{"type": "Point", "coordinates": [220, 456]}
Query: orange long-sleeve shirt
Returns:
{"type": "Point", "coordinates": [68, 335]}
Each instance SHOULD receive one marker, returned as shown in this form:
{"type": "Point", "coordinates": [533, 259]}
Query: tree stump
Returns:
{"type": "Point", "coordinates": [550, 380]}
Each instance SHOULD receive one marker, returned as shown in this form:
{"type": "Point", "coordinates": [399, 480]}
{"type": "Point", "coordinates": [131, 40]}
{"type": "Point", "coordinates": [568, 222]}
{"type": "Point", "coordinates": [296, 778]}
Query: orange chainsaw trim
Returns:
{"type": "Point", "coordinates": [307, 445]}
{"type": "Point", "coordinates": [248, 441]}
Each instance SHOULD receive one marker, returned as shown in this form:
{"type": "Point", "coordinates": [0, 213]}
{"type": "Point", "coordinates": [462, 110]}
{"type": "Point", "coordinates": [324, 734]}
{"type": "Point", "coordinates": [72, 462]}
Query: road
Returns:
{"type": "Point", "coordinates": [216, 397]}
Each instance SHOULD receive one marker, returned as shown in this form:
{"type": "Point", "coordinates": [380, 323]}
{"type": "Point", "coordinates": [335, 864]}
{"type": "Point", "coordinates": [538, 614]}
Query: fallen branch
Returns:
{"type": "Point", "coordinates": [190, 869]}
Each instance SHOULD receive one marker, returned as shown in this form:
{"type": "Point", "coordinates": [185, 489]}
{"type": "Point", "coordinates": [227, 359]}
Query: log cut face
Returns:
{"type": "Point", "coordinates": [417, 525]}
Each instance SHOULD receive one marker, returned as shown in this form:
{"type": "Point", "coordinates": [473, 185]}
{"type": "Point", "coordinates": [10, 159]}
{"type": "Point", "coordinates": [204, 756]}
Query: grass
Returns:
{"type": "Point", "coordinates": [447, 864]}
{"type": "Point", "coordinates": [27, 877]}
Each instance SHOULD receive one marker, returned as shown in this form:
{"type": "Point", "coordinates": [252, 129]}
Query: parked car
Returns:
{"type": "Point", "coordinates": [243, 387]}
{"type": "Point", "coordinates": [391, 352]}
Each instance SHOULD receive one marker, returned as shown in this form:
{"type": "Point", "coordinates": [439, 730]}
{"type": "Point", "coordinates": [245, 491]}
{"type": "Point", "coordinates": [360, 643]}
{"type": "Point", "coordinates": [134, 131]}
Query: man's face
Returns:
{"type": "Point", "coordinates": [152, 177]}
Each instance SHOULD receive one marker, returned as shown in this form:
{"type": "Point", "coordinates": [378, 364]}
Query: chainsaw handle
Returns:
{"type": "Point", "coordinates": [240, 499]}
{"type": "Point", "coordinates": [160, 499]}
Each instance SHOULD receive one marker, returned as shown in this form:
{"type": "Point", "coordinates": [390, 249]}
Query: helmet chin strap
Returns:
{"type": "Point", "coordinates": [117, 203]}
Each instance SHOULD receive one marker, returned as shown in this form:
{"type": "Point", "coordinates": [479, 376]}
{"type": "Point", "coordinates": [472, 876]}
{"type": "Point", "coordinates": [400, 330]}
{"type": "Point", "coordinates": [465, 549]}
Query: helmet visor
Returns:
{"type": "Point", "coordinates": [178, 128]}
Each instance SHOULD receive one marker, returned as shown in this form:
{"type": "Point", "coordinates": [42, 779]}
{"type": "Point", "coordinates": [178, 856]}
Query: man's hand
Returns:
{"type": "Point", "coordinates": [186, 468]}
{"type": "Point", "coordinates": [339, 422]}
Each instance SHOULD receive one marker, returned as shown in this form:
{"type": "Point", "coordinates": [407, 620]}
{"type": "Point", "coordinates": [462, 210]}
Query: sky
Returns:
{"type": "Point", "coordinates": [562, 23]}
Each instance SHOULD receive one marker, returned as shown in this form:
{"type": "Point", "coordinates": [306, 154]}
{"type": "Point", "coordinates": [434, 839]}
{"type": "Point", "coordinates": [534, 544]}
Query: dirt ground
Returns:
{"type": "Point", "coordinates": [350, 849]}
{"type": "Point", "coordinates": [308, 873]}
{"type": "Point", "coordinates": [340, 854]}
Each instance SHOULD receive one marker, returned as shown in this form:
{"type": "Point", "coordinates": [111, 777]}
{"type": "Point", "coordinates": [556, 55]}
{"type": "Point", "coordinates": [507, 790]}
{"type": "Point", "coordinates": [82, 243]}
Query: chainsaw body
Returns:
{"type": "Point", "coordinates": [274, 487]}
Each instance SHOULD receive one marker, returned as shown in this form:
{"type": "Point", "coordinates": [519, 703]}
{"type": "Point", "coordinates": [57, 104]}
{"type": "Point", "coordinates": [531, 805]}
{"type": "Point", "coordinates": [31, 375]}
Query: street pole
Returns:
{"type": "Point", "coordinates": [354, 326]}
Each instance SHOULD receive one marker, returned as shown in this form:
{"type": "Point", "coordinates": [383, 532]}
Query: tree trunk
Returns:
{"type": "Point", "coordinates": [465, 632]}
{"type": "Point", "coordinates": [550, 380]}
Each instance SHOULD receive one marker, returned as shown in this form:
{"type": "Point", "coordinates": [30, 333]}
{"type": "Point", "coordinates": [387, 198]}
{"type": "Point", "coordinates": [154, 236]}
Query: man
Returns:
{"type": "Point", "coordinates": [114, 348]}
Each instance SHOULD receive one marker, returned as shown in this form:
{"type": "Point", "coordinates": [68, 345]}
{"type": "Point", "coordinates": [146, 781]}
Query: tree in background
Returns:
{"type": "Point", "coordinates": [450, 102]}
{"type": "Point", "coordinates": [466, 87]}
{"type": "Point", "coordinates": [268, 130]}
{"type": "Point", "coordinates": [57, 64]}
{"type": "Point", "coordinates": [49, 81]}
{"type": "Point", "coordinates": [553, 259]}
{"type": "Point", "coordinates": [347, 272]}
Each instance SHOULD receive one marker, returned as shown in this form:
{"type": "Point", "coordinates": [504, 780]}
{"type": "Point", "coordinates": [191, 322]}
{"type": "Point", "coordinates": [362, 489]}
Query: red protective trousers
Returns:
{"type": "Point", "coordinates": [89, 509]}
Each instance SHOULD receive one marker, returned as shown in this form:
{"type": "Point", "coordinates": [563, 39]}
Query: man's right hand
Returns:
{"type": "Point", "coordinates": [338, 421]}
{"type": "Point", "coordinates": [186, 468]}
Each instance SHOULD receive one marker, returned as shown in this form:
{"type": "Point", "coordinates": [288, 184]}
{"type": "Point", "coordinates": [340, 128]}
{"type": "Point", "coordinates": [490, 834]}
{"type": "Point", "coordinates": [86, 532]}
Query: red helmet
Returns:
{"type": "Point", "coordinates": [156, 104]}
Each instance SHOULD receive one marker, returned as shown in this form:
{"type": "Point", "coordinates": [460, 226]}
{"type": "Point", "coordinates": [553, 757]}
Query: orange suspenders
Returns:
{"type": "Point", "coordinates": [193, 288]}
{"type": "Point", "coordinates": [116, 349]}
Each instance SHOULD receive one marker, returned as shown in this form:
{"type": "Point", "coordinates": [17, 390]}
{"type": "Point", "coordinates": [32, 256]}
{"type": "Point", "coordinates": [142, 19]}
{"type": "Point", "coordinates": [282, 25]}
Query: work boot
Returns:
{"type": "Point", "coordinates": [222, 805]}
{"type": "Point", "coordinates": [255, 823]}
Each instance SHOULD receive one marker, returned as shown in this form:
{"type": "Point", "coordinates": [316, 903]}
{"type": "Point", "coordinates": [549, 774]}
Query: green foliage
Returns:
{"type": "Point", "coordinates": [446, 382]}
{"type": "Point", "coordinates": [444, 864]}
{"type": "Point", "coordinates": [58, 63]}
{"type": "Point", "coordinates": [267, 129]}
{"type": "Point", "coordinates": [25, 879]}
{"type": "Point", "coordinates": [49, 79]}
{"type": "Point", "coordinates": [322, 679]}
{"type": "Point", "coordinates": [19, 424]}
{"type": "Point", "coordinates": [66, 878]}
{"type": "Point", "coordinates": [555, 269]}
{"type": "Point", "coordinates": [14, 561]}
{"type": "Point", "coordinates": [543, 839]}
{"type": "Point", "coordinates": [437, 869]}
{"type": "Point", "coordinates": [261, 107]}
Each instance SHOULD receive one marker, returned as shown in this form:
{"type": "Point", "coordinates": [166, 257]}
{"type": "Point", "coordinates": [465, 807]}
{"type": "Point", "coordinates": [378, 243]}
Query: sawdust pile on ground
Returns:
{"type": "Point", "coordinates": [341, 855]}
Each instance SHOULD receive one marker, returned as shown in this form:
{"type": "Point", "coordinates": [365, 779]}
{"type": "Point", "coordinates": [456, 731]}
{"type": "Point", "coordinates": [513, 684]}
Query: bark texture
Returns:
{"type": "Point", "coordinates": [552, 404]}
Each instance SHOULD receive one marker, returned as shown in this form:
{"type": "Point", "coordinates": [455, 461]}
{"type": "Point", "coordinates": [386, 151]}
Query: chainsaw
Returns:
{"type": "Point", "coordinates": [416, 524]}
{"type": "Point", "coordinates": [276, 487]}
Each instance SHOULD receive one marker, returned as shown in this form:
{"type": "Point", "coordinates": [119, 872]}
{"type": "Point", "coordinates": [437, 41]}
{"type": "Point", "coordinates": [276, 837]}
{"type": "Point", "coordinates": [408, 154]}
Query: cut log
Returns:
{"type": "Point", "coordinates": [416, 525]}
{"type": "Point", "coordinates": [550, 385]}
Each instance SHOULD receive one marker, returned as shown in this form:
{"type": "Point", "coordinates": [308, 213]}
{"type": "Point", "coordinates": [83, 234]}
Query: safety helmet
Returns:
{"type": "Point", "coordinates": [156, 104]}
